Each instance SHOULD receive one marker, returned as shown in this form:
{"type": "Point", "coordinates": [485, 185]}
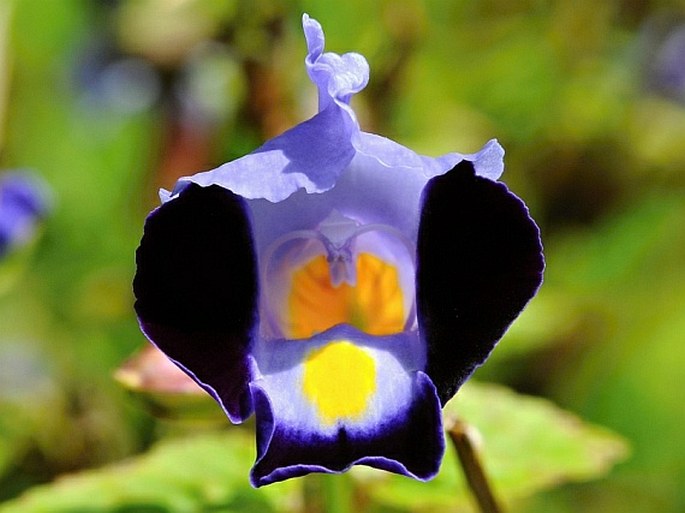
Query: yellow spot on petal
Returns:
{"type": "Point", "coordinates": [339, 380]}
{"type": "Point", "coordinates": [374, 305]}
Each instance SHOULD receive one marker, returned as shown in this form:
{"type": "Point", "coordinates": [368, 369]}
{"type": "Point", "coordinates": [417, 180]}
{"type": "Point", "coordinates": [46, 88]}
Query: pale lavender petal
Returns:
{"type": "Point", "coordinates": [488, 161]}
{"type": "Point", "coordinates": [381, 184]}
{"type": "Point", "coordinates": [310, 156]}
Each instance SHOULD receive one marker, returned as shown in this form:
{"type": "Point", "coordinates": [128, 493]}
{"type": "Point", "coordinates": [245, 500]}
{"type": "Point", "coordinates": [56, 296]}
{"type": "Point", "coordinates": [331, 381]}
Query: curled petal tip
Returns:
{"type": "Point", "coordinates": [313, 34]}
{"type": "Point", "coordinates": [337, 77]}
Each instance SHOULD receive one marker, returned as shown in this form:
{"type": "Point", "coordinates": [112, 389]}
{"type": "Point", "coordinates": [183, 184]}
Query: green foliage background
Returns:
{"type": "Point", "coordinates": [596, 151]}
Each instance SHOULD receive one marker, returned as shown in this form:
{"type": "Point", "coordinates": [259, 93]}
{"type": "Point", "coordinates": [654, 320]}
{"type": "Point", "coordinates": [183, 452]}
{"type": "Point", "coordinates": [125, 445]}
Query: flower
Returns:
{"type": "Point", "coordinates": [23, 200]}
{"type": "Point", "coordinates": [662, 47]}
{"type": "Point", "coordinates": [337, 284]}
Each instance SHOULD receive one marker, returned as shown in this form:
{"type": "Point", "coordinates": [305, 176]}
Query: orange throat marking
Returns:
{"type": "Point", "coordinates": [375, 305]}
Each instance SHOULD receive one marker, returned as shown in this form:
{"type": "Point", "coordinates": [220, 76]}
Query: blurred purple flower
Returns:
{"type": "Point", "coordinates": [662, 44]}
{"type": "Point", "coordinates": [337, 284]}
{"type": "Point", "coordinates": [23, 201]}
{"type": "Point", "coordinates": [108, 79]}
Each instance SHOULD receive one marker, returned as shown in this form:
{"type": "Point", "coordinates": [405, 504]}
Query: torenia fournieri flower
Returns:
{"type": "Point", "coordinates": [23, 201]}
{"type": "Point", "coordinates": [337, 284]}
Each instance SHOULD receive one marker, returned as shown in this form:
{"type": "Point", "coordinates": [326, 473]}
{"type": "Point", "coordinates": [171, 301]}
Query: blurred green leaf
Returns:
{"type": "Point", "coordinates": [628, 274]}
{"type": "Point", "coordinates": [12, 437]}
{"type": "Point", "coordinates": [528, 444]}
{"type": "Point", "coordinates": [207, 472]}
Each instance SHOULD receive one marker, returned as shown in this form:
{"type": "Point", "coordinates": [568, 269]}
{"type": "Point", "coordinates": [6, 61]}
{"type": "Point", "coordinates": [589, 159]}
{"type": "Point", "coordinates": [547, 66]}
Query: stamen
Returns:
{"type": "Point", "coordinates": [338, 234]}
{"type": "Point", "coordinates": [342, 266]}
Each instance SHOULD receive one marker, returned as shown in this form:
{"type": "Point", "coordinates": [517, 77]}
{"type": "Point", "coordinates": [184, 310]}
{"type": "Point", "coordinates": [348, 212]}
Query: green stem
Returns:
{"type": "Point", "coordinates": [325, 493]}
{"type": "Point", "coordinates": [337, 491]}
{"type": "Point", "coordinates": [472, 467]}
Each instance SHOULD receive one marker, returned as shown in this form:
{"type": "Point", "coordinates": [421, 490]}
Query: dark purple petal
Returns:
{"type": "Point", "coordinates": [196, 290]}
{"type": "Point", "coordinates": [411, 444]}
{"type": "Point", "coordinates": [479, 261]}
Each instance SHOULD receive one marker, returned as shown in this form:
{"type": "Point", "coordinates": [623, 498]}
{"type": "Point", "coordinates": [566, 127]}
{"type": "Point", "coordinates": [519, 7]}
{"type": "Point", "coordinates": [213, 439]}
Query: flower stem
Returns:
{"type": "Point", "coordinates": [338, 492]}
{"type": "Point", "coordinates": [472, 467]}
{"type": "Point", "coordinates": [325, 493]}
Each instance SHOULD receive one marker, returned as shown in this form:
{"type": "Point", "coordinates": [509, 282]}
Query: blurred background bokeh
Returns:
{"type": "Point", "coordinates": [109, 100]}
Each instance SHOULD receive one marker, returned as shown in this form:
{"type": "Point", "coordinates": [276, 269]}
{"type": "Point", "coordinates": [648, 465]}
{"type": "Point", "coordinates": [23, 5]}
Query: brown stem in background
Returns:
{"type": "Point", "coordinates": [186, 137]}
{"type": "Point", "coordinates": [267, 108]}
{"type": "Point", "coordinates": [384, 91]}
{"type": "Point", "coordinates": [186, 149]}
{"type": "Point", "coordinates": [265, 100]}
{"type": "Point", "coordinates": [189, 139]}
{"type": "Point", "coordinates": [472, 467]}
